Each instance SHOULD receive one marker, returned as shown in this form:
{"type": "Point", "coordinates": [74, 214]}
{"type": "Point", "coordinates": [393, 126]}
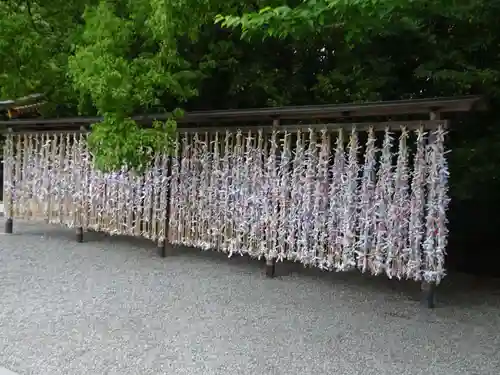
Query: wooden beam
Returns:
{"type": "Point", "coordinates": [361, 126]}
{"type": "Point", "coordinates": [322, 112]}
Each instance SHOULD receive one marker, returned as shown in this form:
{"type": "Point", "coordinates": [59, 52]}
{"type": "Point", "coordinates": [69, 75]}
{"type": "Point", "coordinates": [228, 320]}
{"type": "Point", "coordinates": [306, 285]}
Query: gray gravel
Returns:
{"type": "Point", "coordinates": [112, 306]}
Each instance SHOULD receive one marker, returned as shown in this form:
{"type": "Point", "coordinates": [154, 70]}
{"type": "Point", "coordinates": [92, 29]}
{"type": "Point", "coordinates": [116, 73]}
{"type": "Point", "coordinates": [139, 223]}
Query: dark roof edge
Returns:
{"type": "Point", "coordinates": [387, 108]}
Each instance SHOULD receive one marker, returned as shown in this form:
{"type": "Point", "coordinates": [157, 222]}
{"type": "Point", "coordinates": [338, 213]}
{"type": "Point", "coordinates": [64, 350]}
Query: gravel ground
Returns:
{"type": "Point", "coordinates": [112, 306]}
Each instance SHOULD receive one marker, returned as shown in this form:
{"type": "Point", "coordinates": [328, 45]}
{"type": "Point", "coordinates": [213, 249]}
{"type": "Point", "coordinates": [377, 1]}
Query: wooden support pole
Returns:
{"type": "Point", "coordinates": [79, 234]}
{"type": "Point", "coordinates": [162, 252]}
{"type": "Point", "coordinates": [271, 262]}
{"type": "Point", "coordinates": [428, 294]}
{"type": "Point", "coordinates": [9, 225]}
{"type": "Point", "coordinates": [270, 267]}
{"type": "Point", "coordinates": [164, 248]}
{"type": "Point", "coordinates": [429, 289]}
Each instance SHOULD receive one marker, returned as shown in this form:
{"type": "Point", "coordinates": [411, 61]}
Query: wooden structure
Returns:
{"type": "Point", "coordinates": [25, 107]}
{"type": "Point", "coordinates": [367, 191]}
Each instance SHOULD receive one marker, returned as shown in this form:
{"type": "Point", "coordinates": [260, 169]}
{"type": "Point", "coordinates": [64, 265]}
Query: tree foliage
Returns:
{"type": "Point", "coordinates": [118, 58]}
{"type": "Point", "coordinates": [125, 60]}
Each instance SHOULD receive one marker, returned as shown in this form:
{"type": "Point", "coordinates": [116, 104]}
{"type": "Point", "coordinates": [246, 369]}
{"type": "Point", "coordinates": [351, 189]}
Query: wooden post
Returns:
{"type": "Point", "coordinates": [9, 225]}
{"type": "Point", "coordinates": [79, 234]}
{"type": "Point", "coordinates": [270, 267]}
{"type": "Point", "coordinates": [428, 294]}
{"type": "Point", "coordinates": [271, 262]}
{"type": "Point", "coordinates": [428, 290]}
{"type": "Point", "coordinates": [162, 248]}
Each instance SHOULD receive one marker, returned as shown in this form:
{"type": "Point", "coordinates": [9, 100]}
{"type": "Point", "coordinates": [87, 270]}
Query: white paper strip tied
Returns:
{"type": "Point", "coordinates": [307, 196]}
{"type": "Point", "coordinates": [399, 213]}
{"type": "Point", "coordinates": [271, 200]}
{"type": "Point", "coordinates": [350, 203]}
{"type": "Point", "coordinates": [174, 220]}
{"type": "Point", "coordinates": [417, 209]}
{"type": "Point", "coordinates": [305, 219]}
{"type": "Point", "coordinates": [50, 177]}
{"type": "Point", "coordinates": [384, 190]}
{"type": "Point", "coordinates": [320, 207]}
{"type": "Point", "coordinates": [295, 206]}
{"type": "Point", "coordinates": [367, 209]}
{"type": "Point", "coordinates": [244, 207]}
{"type": "Point", "coordinates": [257, 197]}
{"type": "Point", "coordinates": [336, 208]}
{"type": "Point", "coordinates": [284, 191]}
{"type": "Point", "coordinates": [9, 175]}
{"type": "Point", "coordinates": [436, 205]}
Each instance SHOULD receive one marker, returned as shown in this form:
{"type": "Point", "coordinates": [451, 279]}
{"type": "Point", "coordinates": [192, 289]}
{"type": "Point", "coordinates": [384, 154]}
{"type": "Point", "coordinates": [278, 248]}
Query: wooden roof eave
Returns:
{"type": "Point", "coordinates": [298, 113]}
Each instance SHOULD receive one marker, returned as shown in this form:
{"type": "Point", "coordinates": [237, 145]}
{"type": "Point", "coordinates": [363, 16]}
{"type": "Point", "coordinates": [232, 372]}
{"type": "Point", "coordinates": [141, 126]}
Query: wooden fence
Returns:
{"type": "Point", "coordinates": [370, 196]}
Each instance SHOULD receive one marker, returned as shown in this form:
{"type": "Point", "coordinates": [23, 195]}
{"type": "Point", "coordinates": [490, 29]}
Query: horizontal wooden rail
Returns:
{"type": "Point", "coordinates": [309, 113]}
{"type": "Point", "coordinates": [359, 126]}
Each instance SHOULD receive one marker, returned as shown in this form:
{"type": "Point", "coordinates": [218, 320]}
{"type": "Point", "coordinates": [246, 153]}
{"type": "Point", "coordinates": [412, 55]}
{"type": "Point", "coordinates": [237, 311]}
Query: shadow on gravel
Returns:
{"type": "Point", "coordinates": [456, 291]}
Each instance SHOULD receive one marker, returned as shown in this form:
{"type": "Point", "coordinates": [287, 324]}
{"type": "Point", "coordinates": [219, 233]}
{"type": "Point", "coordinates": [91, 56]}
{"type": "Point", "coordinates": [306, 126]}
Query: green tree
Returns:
{"type": "Point", "coordinates": [395, 49]}
{"type": "Point", "coordinates": [125, 60]}
{"type": "Point", "coordinates": [35, 44]}
{"type": "Point", "coordinates": [118, 58]}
